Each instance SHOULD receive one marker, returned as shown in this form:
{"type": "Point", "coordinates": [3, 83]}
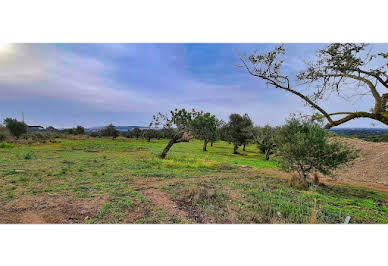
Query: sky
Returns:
{"type": "Point", "coordinates": [64, 85]}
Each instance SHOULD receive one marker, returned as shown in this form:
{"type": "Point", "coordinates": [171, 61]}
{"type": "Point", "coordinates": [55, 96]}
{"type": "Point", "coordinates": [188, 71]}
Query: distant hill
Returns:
{"type": "Point", "coordinates": [360, 131]}
{"type": "Point", "coordinates": [119, 128]}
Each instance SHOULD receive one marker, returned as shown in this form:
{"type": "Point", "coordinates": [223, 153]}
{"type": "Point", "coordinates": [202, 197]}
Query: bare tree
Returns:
{"type": "Point", "coordinates": [338, 66]}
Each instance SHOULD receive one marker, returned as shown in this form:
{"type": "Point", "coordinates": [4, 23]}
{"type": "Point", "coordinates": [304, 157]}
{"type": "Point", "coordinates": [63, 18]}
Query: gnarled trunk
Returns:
{"type": "Point", "coordinates": [168, 147]}
{"type": "Point", "coordinates": [267, 152]}
{"type": "Point", "coordinates": [204, 145]}
{"type": "Point", "coordinates": [235, 147]}
{"type": "Point", "coordinates": [211, 143]}
{"type": "Point", "coordinates": [244, 147]}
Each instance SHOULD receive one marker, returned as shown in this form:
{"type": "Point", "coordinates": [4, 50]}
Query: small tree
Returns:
{"type": "Point", "coordinates": [16, 128]}
{"type": "Point", "coordinates": [79, 130]}
{"type": "Point", "coordinates": [109, 131]}
{"type": "Point", "coordinates": [304, 147]}
{"type": "Point", "coordinates": [136, 132]}
{"type": "Point", "coordinates": [148, 134]}
{"type": "Point", "coordinates": [181, 120]}
{"type": "Point", "coordinates": [265, 139]}
{"type": "Point", "coordinates": [204, 127]}
{"type": "Point", "coordinates": [238, 131]}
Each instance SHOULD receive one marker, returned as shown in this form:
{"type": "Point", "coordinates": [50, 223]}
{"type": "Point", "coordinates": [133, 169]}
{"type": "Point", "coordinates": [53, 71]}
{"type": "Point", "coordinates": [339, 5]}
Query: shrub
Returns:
{"type": "Point", "coordinates": [4, 145]}
{"type": "Point", "coordinates": [94, 134]}
{"type": "Point", "coordinates": [16, 128]}
{"type": "Point", "coordinates": [79, 130]}
{"type": "Point", "coordinates": [304, 147]}
{"type": "Point", "coordinates": [4, 133]}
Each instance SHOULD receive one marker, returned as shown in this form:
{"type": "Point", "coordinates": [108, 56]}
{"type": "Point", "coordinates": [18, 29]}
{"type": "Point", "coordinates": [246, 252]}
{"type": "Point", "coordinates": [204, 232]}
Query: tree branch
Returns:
{"type": "Point", "coordinates": [276, 84]}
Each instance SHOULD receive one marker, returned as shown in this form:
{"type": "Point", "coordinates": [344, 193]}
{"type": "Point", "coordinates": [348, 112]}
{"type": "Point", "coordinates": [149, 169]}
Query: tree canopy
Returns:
{"type": "Point", "coordinates": [304, 147]}
{"type": "Point", "coordinates": [265, 139]}
{"type": "Point", "coordinates": [238, 130]}
{"type": "Point", "coordinates": [337, 67]}
{"type": "Point", "coordinates": [16, 128]}
{"type": "Point", "coordinates": [204, 127]}
{"type": "Point", "coordinates": [178, 122]}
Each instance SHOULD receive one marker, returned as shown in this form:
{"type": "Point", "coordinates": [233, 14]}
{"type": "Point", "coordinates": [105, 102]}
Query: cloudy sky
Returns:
{"type": "Point", "coordinates": [65, 85]}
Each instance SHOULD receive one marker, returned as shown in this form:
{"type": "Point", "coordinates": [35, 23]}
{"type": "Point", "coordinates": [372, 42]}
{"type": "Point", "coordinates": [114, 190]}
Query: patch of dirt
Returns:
{"type": "Point", "coordinates": [49, 210]}
{"type": "Point", "coordinates": [163, 200]}
{"type": "Point", "coordinates": [193, 212]}
{"type": "Point", "coordinates": [180, 208]}
{"type": "Point", "coordinates": [371, 167]}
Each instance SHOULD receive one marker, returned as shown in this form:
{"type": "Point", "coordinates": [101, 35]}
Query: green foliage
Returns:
{"type": "Point", "coordinates": [4, 145]}
{"type": "Point", "coordinates": [109, 131]}
{"type": "Point", "coordinates": [16, 128]}
{"type": "Point", "coordinates": [204, 127]}
{"type": "Point", "coordinates": [79, 130]}
{"type": "Point", "coordinates": [304, 147]}
{"type": "Point", "coordinates": [178, 122]}
{"type": "Point", "coordinates": [149, 134]}
{"type": "Point", "coordinates": [265, 139]}
{"type": "Point", "coordinates": [136, 132]}
{"type": "Point", "coordinates": [239, 130]}
{"type": "Point", "coordinates": [4, 133]}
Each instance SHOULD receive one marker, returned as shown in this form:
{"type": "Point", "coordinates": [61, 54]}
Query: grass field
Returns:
{"type": "Point", "coordinates": [123, 181]}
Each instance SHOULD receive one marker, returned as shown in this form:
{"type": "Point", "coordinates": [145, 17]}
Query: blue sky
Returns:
{"type": "Point", "coordinates": [65, 85]}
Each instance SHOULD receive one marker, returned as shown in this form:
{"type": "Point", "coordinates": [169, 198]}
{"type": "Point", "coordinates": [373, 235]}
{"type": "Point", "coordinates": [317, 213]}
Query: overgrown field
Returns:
{"type": "Point", "coordinates": [123, 181]}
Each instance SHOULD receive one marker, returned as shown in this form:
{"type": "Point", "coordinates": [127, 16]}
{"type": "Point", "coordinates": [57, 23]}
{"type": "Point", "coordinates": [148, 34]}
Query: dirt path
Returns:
{"type": "Point", "coordinates": [50, 209]}
{"type": "Point", "coordinates": [164, 201]}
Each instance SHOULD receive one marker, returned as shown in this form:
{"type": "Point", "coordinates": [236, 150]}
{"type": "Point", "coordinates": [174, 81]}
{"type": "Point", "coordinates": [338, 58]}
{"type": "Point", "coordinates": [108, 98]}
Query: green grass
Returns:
{"type": "Point", "coordinates": [113, 168]}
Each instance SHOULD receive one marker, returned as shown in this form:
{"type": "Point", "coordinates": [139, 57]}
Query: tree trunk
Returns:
{"type": "Point", "coordinates": [168, 147]}
{"type": "Point", "coordinates": [267, 155]}
{"type": "Point", "coordinates": [204, 145]}
{"type": "Point", "coordinates": [148, 139]}
{"type": "Point", "coordinates": [244, 147]}
{"type": "Point", "coordinates": [235, 149]}
{"type": "Point", "coordinates": [211, 144]}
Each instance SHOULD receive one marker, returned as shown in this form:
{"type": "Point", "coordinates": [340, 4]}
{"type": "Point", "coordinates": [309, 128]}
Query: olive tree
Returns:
{"type": "Point", "coordinates": [109, 131]}
{"type": "Point", "coordinates": [16, 128]}
{"type": "Point", "coordinates": [79, 130]}
{"type": "Point", "coordinates": [265, 139]}
{"type": "Point", "coordinates": [148, 134]}
{"type": "Point", "coordinates": [177, 123]}
{"type": "Point", "coordinates": [238, 130]}
{"type": "Point", "coordinates": [338, 68]}
{"type": "Point", "coordinates": [305, 147]}
{"type": "Point", "coordinates": [136, 132]}
{"type": "Point", "coordinates": [204, 127]}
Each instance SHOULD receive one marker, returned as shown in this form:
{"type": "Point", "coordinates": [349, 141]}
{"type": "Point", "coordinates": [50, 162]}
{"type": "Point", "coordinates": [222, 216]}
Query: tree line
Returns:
{"type": "Point", "coordinates": [301, 144]}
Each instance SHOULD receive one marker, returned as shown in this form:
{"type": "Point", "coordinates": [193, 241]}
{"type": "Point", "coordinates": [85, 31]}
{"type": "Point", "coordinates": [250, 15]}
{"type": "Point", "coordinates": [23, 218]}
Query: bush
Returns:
{"type": "Point", "coordinates": [79, 130]}
{"type": "Point", "coordinates": [94, 134]}
{"type": "Point", "coordinates": [4, 133]}
{"type": "Point", "coordinates": [16, 128]}
{"type": "Point", "coordinates": [4, 145]}
{"type": "Point", "coordinates": [304, 147]}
